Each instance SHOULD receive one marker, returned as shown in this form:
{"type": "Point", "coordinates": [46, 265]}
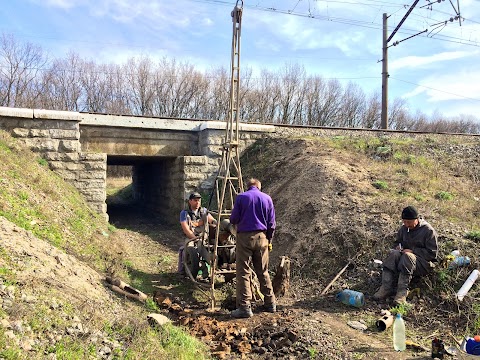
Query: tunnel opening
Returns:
{"type": "Point", "coordinates": [143, 190]}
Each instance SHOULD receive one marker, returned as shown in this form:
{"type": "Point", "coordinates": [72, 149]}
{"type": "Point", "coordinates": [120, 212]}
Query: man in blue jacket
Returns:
{"type": "Point", "coordinates": [254, 215]}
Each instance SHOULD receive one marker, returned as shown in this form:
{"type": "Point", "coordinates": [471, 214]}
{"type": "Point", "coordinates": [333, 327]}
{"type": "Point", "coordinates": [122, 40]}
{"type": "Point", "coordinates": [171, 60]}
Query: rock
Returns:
{"type": "Point", "coordinates": [17, 326]}
{"type": "Point", "coordinates": [357, 325]}
{"type": "Point", "coordinates": [4, 323]}
{"type": "Point", "coordinates": [157, 319]}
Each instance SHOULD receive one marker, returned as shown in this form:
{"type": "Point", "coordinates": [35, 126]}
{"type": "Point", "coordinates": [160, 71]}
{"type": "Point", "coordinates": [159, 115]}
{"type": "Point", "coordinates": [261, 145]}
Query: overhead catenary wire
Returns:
{"type": "Point", "coordinates": [352, 22]}
{"type": "Point", "coordinates": [431, 88]}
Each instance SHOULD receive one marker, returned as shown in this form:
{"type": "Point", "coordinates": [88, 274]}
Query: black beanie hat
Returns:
{"type": "Point", "coordinates": [409, 213]}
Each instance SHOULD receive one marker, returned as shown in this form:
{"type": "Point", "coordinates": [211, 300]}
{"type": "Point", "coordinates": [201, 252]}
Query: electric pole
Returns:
{"type": "Point", "coordinates": [384, 123]}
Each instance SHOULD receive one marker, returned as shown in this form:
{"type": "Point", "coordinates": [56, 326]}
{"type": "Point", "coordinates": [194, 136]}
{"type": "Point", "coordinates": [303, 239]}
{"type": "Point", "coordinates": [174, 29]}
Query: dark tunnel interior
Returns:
{"type": "Point", "coordinates": [137, 188]}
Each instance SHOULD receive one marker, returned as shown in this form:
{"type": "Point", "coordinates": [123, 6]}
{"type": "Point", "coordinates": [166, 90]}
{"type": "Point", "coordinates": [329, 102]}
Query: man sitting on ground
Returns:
{"type": "Point", "coordinates": [414, 252]}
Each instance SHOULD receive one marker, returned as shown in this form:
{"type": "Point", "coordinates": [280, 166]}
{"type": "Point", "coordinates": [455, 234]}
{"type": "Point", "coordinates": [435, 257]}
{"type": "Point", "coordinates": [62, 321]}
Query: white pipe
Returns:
{"type": "Point", "coordinates": [467, 285]}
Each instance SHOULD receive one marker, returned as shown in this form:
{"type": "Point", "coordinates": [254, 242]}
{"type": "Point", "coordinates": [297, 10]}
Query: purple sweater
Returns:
{"type": "Point", "coordinates": [254, 211]}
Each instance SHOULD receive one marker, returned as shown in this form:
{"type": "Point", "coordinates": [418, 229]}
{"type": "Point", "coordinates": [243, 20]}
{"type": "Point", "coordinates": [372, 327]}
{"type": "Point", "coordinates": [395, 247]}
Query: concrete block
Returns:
{"type": "Point", "coordinates": [93, 165]}
{"type": "Point", "coordinates": [69, 146]}
{"type": "Point", "coordinates": [60, 165]}
{"type": "Point", "coordinates": [42, 145]}
{"type": "Point", "coordinates": [42, 133]}
{"type": "Point", "coordinates": [97, 175]}
{"type": "Point", "coordinates": [20, 132]}
{"type": "Point", "coordinates": [55, 156]}
{"type": "Point", "coordinates": [93, 157]}
{"type": "Point", "coordinates": [16, 112]}
{"type": "Point", "coordinates": [67, 175]}
{"type": "Point", "coordinates": [56, 115]}
{"type": "Point", "coordinates": [67, 134]}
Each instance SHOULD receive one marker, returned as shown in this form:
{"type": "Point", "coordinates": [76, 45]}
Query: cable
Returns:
{"type": "Point", "coordinates": [353, 22]}
{"type": "Point", "coordinates": [428, 87]}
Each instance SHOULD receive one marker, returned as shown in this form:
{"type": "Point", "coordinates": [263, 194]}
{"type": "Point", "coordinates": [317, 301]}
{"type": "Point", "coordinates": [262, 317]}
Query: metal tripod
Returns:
{"type": "Point", "coordinates": [228, 182]}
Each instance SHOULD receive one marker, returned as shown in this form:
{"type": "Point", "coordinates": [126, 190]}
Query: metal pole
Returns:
{"type": "Point", "coordinates": [384, 124]}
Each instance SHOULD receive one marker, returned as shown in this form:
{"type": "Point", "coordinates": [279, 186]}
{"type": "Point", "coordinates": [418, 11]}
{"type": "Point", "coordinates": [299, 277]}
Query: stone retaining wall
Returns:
{"type": "Point", "coordinates": [55, 135]}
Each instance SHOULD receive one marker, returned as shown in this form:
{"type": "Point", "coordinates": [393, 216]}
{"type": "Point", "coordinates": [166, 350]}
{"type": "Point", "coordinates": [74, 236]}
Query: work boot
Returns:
{"type": "Point", "coordinates": [402, 288]}
{"type": "Point", "coordinates": [272, 308]}
{"type": "Point", "coordinates": [242, 312]}
{"type": "Point", "coordinates": [387, 285]}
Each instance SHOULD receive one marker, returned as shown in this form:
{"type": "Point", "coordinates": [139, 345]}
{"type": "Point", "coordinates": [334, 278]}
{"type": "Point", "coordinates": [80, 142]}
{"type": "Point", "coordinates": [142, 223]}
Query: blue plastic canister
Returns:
{"type": "Point", "coordinates": [351, 297]}
{"type": "Point", "coordinates": [472, 347]}
{"type": "Point", "coordinates": [460, 261]}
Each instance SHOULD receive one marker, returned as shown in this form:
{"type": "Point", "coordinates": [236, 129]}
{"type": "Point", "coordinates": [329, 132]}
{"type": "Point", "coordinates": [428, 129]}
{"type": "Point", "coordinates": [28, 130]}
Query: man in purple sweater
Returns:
{"type": "Point", "coordinates": [254, 216]}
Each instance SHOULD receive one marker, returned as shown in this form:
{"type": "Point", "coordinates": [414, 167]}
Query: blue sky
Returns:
{"type": "Point", "coordinates": [437, 71]}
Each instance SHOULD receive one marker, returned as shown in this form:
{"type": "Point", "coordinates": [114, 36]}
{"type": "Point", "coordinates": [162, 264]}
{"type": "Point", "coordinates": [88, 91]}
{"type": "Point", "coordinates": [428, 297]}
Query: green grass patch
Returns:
{"type": "Point", "coordinates": [125, 193]}
{"type": "Point", "coordinates": [72, 349]}
{"type": "Point", "coordinates": [383, 150]}
{"type": "Point", "coordinates": [42, 162]}
{"type": "Point", "coordinates": [473, 235]}
{"type": "Point", "coordinates": [444, 195]}
{"type": "Point", "coordinates": [380, 184]}
{"type": "Point", "coordinates": [401, 309]}
{"type": "Point", "coordinates": [151, 305]}
{"type": "Point", "coordinates": [419, 197]}
{"type": "Point", "coordinates": [476, 321]}
{"type": "Point", "coordinates": [179, 345]}
{"type": "Point", "coordinates": [5, 148]}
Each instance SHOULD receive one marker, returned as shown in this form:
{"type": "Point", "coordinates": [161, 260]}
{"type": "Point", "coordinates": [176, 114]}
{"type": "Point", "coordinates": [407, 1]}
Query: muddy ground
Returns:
{"type": "Point", "coordinates": [328, 214]}
{"type": "Point", "coordinates": [305, 326]}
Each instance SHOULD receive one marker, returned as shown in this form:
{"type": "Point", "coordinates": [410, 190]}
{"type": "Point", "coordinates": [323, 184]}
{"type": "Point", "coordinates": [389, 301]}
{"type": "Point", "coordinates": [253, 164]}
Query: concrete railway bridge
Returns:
{"type": "Point", "coordinates": [169, 157]}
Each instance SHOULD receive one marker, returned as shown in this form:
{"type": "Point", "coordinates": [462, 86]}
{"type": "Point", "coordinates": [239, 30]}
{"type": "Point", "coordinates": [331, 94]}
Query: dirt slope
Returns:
{"type": "Point", "coordinates": [328, 212]}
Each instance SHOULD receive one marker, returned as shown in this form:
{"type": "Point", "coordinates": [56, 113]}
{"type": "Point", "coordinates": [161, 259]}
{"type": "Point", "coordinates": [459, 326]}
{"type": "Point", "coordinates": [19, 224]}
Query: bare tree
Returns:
{"type": "Point", "coordinates": [352, 106]}
{"type": "Point", "coordinates": [264, 99]}
{"type": "Point", "coordinates": [95, 87]}
{"type": "Point", "coordinates": [199, 101]}
{"type": "Point", "coordinates": [219, 94]}
{"type": "Point", "coordinates": [372, 113]}
{"type": "Point", "coordinates": [183, 90]}
{"type": "Point", "coordinates": [139, 81]}
{"type": "Point", "coordinates": [20, 65]}
{"type": "Point", "coordinates": [314, 86]}
{"type": "Point", "coordinates": [398, 115]}
{"type": "Point", "coordinates": [116, 88]}
{"type": "Point", "coordinates": [63, 89]}
{"type": "Point", "coordinates": [330, 102]}
{"type": "Point", "coordinates": [291, 80]}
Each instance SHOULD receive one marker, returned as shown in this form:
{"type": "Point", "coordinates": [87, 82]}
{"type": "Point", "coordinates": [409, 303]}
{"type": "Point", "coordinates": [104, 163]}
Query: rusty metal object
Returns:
{"type": "Point", "coordinates": [120, 287]}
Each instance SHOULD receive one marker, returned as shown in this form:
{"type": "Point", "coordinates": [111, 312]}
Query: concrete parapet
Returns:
{"type": "Point", "coordinates": [56, 115]}
{"type": "Point", "coordinates": [16, 112]}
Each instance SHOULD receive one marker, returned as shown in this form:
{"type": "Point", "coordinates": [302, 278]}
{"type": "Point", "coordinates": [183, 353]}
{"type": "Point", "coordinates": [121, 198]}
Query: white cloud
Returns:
{"type": "Point", "coordinates": [462, 85]}
{"type": "Point", "coordinates": [424, 61]}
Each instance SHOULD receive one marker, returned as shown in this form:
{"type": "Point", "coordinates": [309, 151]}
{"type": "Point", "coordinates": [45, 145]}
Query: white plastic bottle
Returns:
{"type": "Point", "coordinates": [399, 334]}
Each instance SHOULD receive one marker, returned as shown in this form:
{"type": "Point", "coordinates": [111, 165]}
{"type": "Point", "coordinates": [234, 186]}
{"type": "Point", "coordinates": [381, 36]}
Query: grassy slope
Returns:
{"type": "Point", "coordinates": [36, 199]}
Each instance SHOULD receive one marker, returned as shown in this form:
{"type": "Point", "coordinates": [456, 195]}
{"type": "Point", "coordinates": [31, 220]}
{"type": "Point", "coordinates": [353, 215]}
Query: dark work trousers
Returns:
{"type": "Point", "coordinates": [407, 263]}
{"type": "Point", "coordinates": [254, 245]}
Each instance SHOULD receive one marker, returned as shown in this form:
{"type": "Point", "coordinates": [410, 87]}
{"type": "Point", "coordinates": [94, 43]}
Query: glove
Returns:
{"type": "Point", "coordinates": [270, 246]}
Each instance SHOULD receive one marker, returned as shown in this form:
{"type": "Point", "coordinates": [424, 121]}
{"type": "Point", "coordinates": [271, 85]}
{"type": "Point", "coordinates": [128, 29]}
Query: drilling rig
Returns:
{"type": "Point", "coordinates": [228, 182]}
